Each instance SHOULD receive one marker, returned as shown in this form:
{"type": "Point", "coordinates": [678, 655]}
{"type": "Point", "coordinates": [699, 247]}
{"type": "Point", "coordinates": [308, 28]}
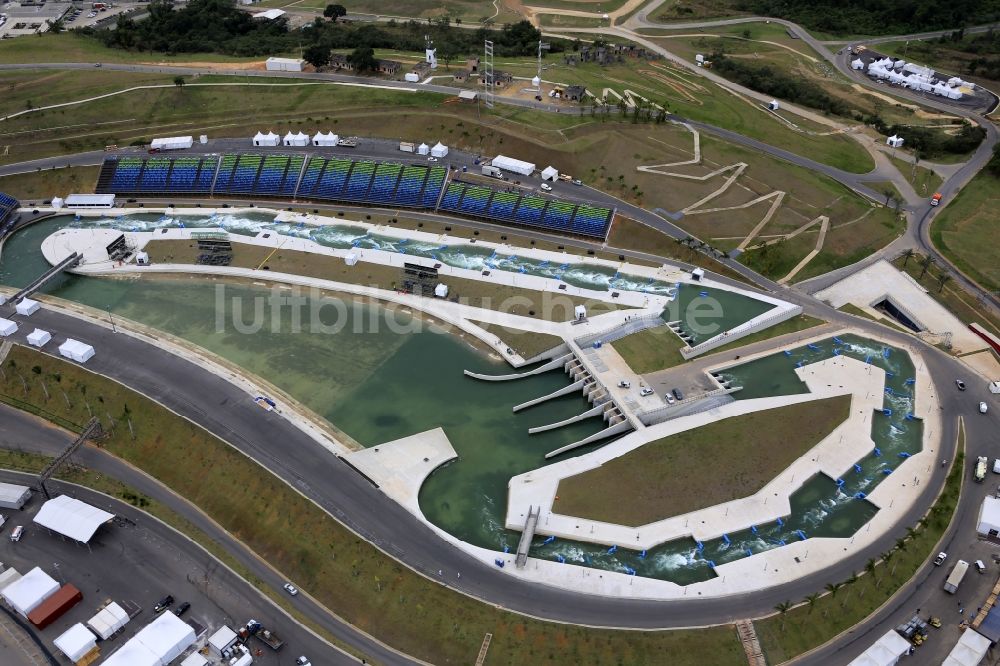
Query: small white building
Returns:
{"type": "Point", "coordinates": [269, 139]}
{"type": "Point", "coordinates": [351, 259]}
{"type": "Point", "coordinates": [773, 105]}
{"type": "Point", "coordinates": [109, 620]}
{"type": "Point", "coordinates": [697, 274]}
{"type": "Point", "coordinates": [894, 141]}
{"type": "Point", "coordinates": [439, 150]}
{"type": "Point", "coordinates": [858, 64]}
{"type": "Point", "coordinates": [423, 149]}
{"type": "Point", "coordinates": [550, 173]}
{"type": "Point", "coordinates": [172, 143]}
{"type": "Point", "coordinates": [13, 496]}
{"type": "Point", "coordinates": [328, 139]}
{"type": "Point", "coordinates": [441, 290]}
{"type": "Point", "coordinates": [411, 77]}
{"type": "Point", "coordinates": [269, 15]}
{"type": "Point", "coordinates": [7, 327]}
{"type": "Point", "coordinates": [28, 592]}
{"type": "Point", "coordinates": [580, 312]}
{"type": "Point", "coordinates": [76, 642]}
{"type": "Point", "coordinates": [76, 351]}
{"type": "Point", "coordinates": [284, 64]}
{"type": "Point", "coordinates": [220, 641]}
{"type": "Point", "coordinates": [57, 202]}
{"type": "Point", "coordinates": [142, 258]}
{"type": "Point", "coordinates": [513, 165]}
{"type": "Point", "coordinates": [988, 524]}
{"type": "Point", "coordinates": [27, 307]}
{"type": "Point", "coordinates": [700, 59]}
{"type": "Point", "coordinates": [90, 201]}
{"type": "Point", "coordinates": [300, 139]}
{"type": "Point", "coordinates": [39, 338]}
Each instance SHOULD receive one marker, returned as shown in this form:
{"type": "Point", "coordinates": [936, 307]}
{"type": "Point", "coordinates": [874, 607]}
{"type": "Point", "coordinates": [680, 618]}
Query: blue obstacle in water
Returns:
{"type": "Point", "coordinates": [753, 528]}
{"type": "Point", "coordinates": [586, 559]}
{"type": "Point", "coordinates": [711, 563]}
{"type": "Point", "coordinates": [878, 452]}
{"type": "Point", "coordinates": [700, 546]}
{"type": "Point", "coordinates": [506, 549]}
{"type": "Point", "coordinates": [840, 483]}
{"type": "Point", "coordinates": [549, 539]}
{"type": "Point", "coordinates": [859, 495]}
{"type": "Point", "coordinates": [911, 380]}
{"type": "Point", "coordinates": [562, 560]}
{"type": "Point", "coordinates": [703, 294]}
{"type": "Point", "coordinates": [885, 352]}
{"type": "Point", "coordinates": [798, 364]}
{"type": "Point", "coordinates": [801, 534]}
{"type": "Point", "coordinates": [812, 346]}
{"type": "Point", "coordinates": [887, 471]}
{"type": "Point", "coordinates": [725, 538]}
{"type": "Point", "coordinates": [782, 542]}
{"type": "Point", "coordinates": [904, 454]}
{"type": "Point", "coordinates": [888, 389]}
{"type": "Point", "coordinates": [788, 353]}
{"type": "Point", "coordinates": [498, 562]}
{"type": "Point", "coordinates": [909, 416]}
{"type": "Point", "coordinates": [857, 468]}
{"type": "Point", "coordinates": [838, 340]}
{"type": "Point", "coordinates": [611, 551]}
{"type": "Point", "coordinates": [890, 374]}
{"type": "Point", "coordinates": [749, 553]}
{"type": "Point", "coordinates": [836, 352]}
{"type": "Point", "coordinates": [630, 571]}
{"type": "Point", "coordinates": [642, 555]}
{"type": "Point", "coordinates": [868, 359]}
{"type": "Point", "coordinates": [887, 411]}
{"type": "Point", "coordinates": [780, 522]}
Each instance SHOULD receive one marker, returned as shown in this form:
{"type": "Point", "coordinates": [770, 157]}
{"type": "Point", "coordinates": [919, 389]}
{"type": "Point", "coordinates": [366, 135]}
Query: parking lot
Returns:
{"type": "Point", "coordinates": [136, 562]}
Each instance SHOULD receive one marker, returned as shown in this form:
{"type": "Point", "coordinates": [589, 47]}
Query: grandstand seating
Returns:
{"type": "Point", "coordinates": [345, 180]}
{"type": "Point", "coordinates": [8, 208]}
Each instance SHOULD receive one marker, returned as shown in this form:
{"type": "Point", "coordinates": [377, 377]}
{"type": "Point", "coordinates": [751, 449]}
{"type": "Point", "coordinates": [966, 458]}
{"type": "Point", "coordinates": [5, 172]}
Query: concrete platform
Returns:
{"type": "Point", "coordinates": [872, 284]}
{"type": "Point", "coordinates": [400, 467]}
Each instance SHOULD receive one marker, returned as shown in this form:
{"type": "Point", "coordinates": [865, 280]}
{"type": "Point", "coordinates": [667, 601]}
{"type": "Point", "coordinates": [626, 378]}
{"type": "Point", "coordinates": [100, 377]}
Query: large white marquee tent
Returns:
{"type": "Point", "coordinates": [71, 517]}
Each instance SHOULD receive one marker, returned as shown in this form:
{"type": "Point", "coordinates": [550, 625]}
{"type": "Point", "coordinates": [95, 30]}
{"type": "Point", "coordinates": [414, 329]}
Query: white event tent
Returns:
{"type": "Point", "coordinates": [299, 139]}
{"type": "Point", "coordinates": [423, 149]}
{"type": "Point", "coordinates": [7, 327]}
{"type": "Point", "coordinates": [39, 338]}
{"type": "Point", "coordinates": [516, 166]}
{"type": "Point", "coordinates": [269, 139]}
{"type": "Point", "coordinates": [886, 651]}
{"type": "Point", "coordinates": [76, 642]}
{"type": "Point", "coordinates": [72, 518]}
{"type": "Point", "coordinates": [28, 592]}
{"type": "Point", "coordinates": [969, 651]}
{"type": "Point", "coordinates": [110, 619]}
{"type": "Point", "coordinates": [328, 139]}
{"type": "Point", "coordinates": [76, 351]}
{"type": "Point", "coordinates": [157, 644]}
{"type": "Point", "coordinates": [439, 150]}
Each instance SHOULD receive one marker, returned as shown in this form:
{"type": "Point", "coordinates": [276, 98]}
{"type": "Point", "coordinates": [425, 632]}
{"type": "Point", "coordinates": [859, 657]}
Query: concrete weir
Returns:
{"type": "Point", "coordinates": [551, 365]}
{"type": "Point", "coordinates": [611, 431]}
{"type": "Point", "coordinates": [596, 411]}
{"type": "Point", "coordinates": [524, 544]}
{"type": "Point", "coordinates": [566, 390]}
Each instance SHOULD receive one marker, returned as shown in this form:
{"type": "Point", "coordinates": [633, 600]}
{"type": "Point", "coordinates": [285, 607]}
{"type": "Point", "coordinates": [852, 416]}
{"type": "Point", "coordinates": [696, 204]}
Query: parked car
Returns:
{"type": "Point", "coordinates": [960, 384]}
{"type": "Point", "coordinates": [678, 394]}
{"type": "Point", "coordinates": [983, 408]}
{"type": "Point", "coordinates": [980, 567]}
{"type": "Point", "coordinates": [17, 533]}
{"type": "Point", "coordinates": [291, 589]}
{"type": "Point", "coordinates": [546, 187]}
{"type": "Point", "coordinates": [163, 604]}
{"type": "Point", "coordinates": [183, 608]}
{"type": "Point", "coordinates": [669, 398]}
{"type": "Point", "coordinates": [577, 181]}
{"type": "Point", "coordinates": [302, 661]}
{"type": "Point", "coordinates": [996, 466]}
{"type": "Point", "coordinates": [624, 383]}
{"type": "Point", "coordinates": [941, 557]}
{"type": "Point", "coordinates": [644, 391]}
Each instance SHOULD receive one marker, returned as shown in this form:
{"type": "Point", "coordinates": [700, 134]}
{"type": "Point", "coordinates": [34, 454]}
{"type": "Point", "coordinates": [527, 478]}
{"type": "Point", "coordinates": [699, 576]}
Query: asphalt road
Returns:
{"type": "Point", "coordinates": [143, 562]}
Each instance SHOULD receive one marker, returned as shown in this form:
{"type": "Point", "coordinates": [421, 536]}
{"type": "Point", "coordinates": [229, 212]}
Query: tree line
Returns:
{"type": "Point", "coordinates": [218, 26]}
{"type": "Point", "coordinates": [772, 81]}
{"type": "Point", "coordinates": [863, 17]}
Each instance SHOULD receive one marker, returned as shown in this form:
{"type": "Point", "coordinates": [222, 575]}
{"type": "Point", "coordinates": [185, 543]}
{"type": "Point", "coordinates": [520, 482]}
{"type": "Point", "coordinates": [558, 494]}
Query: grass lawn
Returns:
{"type": "Point", "coordinates": [923, 180]}
{"type": "Point", "coordinates": [651, 350]}
{"type": "Point", "coordinates": [478, 293]}
{"type": "Point", "coordinates": [952, 296]}
{"type": "Point", "coordinates": [793, 325]}
{"type": "Point", "coordinates": [348, 575]}
{"type": "Point", "coordinates": [968, 231]}
{"type": "Point", "coordinates": [807, 626]}
{"type": "Point", "coordinates": [526, 343]}
{"type": "Point", "coordinates": [46, 184]}
{"type": "Point", "coordinates": [628, 234]}
{"type": "Point", "coordinates": [691, 470]}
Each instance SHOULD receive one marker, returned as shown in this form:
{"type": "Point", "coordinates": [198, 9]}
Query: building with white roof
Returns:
{"type": "Point", "coordinates": [28, 592]}
{"type": "Point", "coordinates": [72, 518]}
{"type": "Point", "coordinates": [76, 642]}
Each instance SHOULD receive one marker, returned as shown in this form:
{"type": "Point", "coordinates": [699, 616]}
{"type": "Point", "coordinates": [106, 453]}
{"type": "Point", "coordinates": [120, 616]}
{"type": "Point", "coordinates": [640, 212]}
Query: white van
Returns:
{"type": "Point", "coordinates": [16, 533]}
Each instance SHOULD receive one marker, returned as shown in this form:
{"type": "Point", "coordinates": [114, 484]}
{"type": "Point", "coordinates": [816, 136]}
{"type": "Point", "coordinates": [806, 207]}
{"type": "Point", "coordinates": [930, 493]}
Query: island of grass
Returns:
{"type": "Point", "coordinates": [651, 350]}
{"type": "Point", "coordinates": [699, 468]}
{"type": "Point", "coordinates": [526, 343]}
{"type": "Point", "coordinates": [477, 293]}
{"type": "Point", "coordinates": [347, 574]}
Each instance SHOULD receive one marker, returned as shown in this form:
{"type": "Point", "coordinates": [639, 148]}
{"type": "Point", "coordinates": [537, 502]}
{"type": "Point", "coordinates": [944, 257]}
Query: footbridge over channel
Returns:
{"type": "Point", "coordinates": [69, 262]}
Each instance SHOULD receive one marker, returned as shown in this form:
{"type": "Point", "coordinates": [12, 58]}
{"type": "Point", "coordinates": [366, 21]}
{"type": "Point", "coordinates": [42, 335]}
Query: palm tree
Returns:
{"type": "Point", "coordinates": [811, 600]}
{"type": "Point", "coordinates": [850, 586]}
{"type": "Point", "coordinates": [870, 569]}
{"type": "Point", "coordinates": [783, 608]}
{"type": "Point", "coordinates": [832, 588]}
{"type": "Point", "coordinates": [943, 279]}
{"type": "Point", "coordinates": [888, 195]}
{"type": "Point", "coordinates": [928, 260]}
{"type": "Point", "coordinates": [907, 255]}
{"type": "Point", "coordinates": [886, 557]}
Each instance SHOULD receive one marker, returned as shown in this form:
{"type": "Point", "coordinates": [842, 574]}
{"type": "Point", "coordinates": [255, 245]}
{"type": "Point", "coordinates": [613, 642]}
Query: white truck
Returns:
{"type": "Point", "coordinates": [979, 474]}
{"type": "Point", "coordinates": [492, 171]}
{"type": "Point", "coordinates": [407, 147]}
{"type": "Point", "coordinates": [956, 576]}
